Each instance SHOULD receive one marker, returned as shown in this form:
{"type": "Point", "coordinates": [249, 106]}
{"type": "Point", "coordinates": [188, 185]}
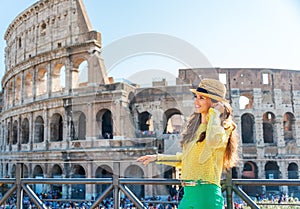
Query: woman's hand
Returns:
{"type": "Point", "coordinates": [146, 159]}
{"type": "Point", "coordinates": [219, 106]}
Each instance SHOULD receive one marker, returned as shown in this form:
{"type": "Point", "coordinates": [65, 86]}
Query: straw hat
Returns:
{"type": "Point", "coordinates": [211, 88]}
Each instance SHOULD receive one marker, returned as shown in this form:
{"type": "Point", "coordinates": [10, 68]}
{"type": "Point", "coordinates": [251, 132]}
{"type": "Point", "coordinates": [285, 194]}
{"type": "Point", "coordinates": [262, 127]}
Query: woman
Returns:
{"type": "Point", "coordinates": [209, 146]}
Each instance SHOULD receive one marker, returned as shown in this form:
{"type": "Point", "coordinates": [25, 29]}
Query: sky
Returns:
{"type": "Point", "coordinates": [173, 34]}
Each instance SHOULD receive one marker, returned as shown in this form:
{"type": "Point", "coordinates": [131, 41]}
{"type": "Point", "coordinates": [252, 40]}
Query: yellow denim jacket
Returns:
{"type": "Point", "coordinates": [202, 160]}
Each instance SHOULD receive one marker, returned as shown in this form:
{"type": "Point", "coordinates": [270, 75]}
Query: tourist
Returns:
{"type": "Point", "coordinates": [209, 146]}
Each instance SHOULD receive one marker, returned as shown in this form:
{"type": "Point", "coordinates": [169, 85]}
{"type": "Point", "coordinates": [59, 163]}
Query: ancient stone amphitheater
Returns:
{"type": "Point", "coordinates": [62, 116]}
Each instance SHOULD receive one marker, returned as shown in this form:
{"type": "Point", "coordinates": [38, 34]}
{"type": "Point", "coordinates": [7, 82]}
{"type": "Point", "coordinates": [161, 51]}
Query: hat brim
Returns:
{"type": "Point", "coordinates": [214, 97]}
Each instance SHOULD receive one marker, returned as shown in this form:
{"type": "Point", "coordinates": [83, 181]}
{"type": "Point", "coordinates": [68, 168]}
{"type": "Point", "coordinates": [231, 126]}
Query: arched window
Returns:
{"type": "Point", "coordinates": [105, 123]}
{"type": "Point", "coordinates": [136, 172]}
{"type": "Point", "coordinates": [15, 132]}
{"type": "Point", "coordinates": [268, 127]}
{"type": "Point", "coordinates": [103, 171]}
{"type": "Point", "coordinates": [56, 128]}
{"type": "Point", "coordinates": [25, 131]}
{"type": "Point", "coordinates": [78, 190]}
{"type": "Point", "coordinates": [39, 130]}
{"type": "Point", "coordinates": [289, 126]}
{"type": "Point", "coordinates": [272, 172]}
{"type": "Point", "coordinates": [174, 121]}
{"type": "Point", "coordinates": [247, 128]}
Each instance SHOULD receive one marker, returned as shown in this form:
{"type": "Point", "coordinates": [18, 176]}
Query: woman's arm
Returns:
{"type": "Point", "coordinates": [172, 160]}
{"type": "Point", "coordinates": [215, 132]}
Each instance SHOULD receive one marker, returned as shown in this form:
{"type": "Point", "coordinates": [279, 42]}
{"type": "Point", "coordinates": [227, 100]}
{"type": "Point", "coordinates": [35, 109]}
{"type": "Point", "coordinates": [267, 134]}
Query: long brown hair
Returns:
{"type": "Point", "coordinates": [231, 152]}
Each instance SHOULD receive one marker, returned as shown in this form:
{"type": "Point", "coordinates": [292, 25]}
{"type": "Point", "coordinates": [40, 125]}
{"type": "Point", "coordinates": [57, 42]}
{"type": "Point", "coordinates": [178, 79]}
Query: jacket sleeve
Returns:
{"type": "Point", "coordinates": [215, 132]}
{"type": "Point", "coordinates": [216, 136]}
{"type": "Point", "coordinates": [171, 160]}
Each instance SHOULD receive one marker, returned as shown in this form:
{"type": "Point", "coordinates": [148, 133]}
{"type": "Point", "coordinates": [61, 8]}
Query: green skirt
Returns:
{"type": "Point", "coordinates": [202, 196]}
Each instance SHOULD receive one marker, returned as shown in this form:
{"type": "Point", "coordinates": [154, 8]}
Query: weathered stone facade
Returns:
{"type": "Point", "coordinates": [63, 117]}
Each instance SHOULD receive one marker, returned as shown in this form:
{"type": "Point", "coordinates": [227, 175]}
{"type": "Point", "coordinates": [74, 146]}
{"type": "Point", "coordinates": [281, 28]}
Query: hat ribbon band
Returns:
{"type": "Point", "coordinates": [202, 90]}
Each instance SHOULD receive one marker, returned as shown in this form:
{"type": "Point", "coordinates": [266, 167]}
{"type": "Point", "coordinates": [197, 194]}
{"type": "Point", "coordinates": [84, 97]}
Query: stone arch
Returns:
{"type": "Point", "coordinates": [103, 171]}
{"type": "Point", "coordinates": [25, 171]}
{"type": "Point", "coordinates": [41, 82]}
{"type": "Point", "coordinates": [247, 123]}
{"type": "Point", "coordinates": [79, 119]}
{"type": "Point", "coordinates": [38, 130]}
{"type": "Point", "coordinates": [38, 173]}
{"type": "Point", "coordinates": [15, 132]}
{"type": "Point", "coordinates": [28, 85]}
{"type": "Point", "coordinates": [174, 121]}
{"type": "Point", "coordinates": [145, 122]}
{"type": "Point", "coordinates": [83, 73]}
{"type": "Point", "coordinates": [80, 72]}
{"type": "Point", "coordinates": [56, 127]}
{"type": "Point", "coordinates": [272, 172]}
{"type": "Point", "coordinates": [25, 131]}
{"type": "Point", "coordinates": [58, 77]}
{"type": "Point", "coordinates": [134, 171]}
{"type": "Point", "coordinates": [105, 123]}
{"type": "Point", "coordinates": [268, 127]}
{"type": "Point", "coordinates": [289, 126]}
{"type": "Point", "coordinates": [293, 174]}
{"type": "Point", "coordinates": [78, 190]}
{"type": "Point", "coordinates": [250, 171]}
{"type": "Point", "coordinates": [56, 173]}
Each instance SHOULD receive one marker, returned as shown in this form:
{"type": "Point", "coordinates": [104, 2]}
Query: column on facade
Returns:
{"type": "Point", "coordinates": [261, 173]}
{"type": "Point", "coordinates": [34, 80]}
{"type": "Point", "coordinates": [117, 118]}
{"type": "Point", "coordinates": [283, 166]}
{"type": "Point", "coordinates": [257, 98]}
{"type": "Point", "coordinates": [14, 91]}
{"type": "Point", "coordinates": [278, 127]}
{"type": "Point", "coordinates": [68, 71]}
{"type": "Point", "coordinates": [235, 96]}
{"type": "Point", "coordinates": [19, 135]}
{"type": "Point", "coordinates": [46, 129]}
{"type": "Point", "coordinates": [89, 187]}
{"type": "Point", "coordinates": [31, 132]}
{"type": "Point", "coordinates": [258, 131]}
{"type": "Point", "coordinates": [22, 88]}
{"type": "Point", "coordinates": [91, 122]}
{"type": "Point", "coordinates": [49, 79]}
{"type": "Point", "coordinates": [297, 130]}
{"type": "Point", "coordinates": [158, 121]}
{"type": "Point", "coordinates": [10, 133]}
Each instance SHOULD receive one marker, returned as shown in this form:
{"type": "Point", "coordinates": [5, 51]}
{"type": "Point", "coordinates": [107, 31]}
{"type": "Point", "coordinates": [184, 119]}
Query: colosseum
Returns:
{"type": "Point", "coordinates": [62, 116]}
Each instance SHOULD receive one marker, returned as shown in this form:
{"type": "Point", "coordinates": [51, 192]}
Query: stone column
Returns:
{"type": "Point", "coordinates": [257, 98]}
{"type": "Point", "coordinates": [89, 187]}
{"type": "Point", "coordinates": [278, 127]}
{"type": "Point", "coordinates": [22, 87]}
{"type": "Point", "coordinates": [34, 77]}
{"type": "Point", "coordinates": [31, 132]}
{"type": "Point", "coordinates": [49, 80]}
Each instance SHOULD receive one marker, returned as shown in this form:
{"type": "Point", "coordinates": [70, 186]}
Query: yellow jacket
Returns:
{"type": "Point", "coordinates": [202, 160]}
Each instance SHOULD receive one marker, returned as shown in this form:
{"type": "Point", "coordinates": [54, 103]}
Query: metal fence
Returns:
{"type": "Point", "coordinates": [116, 184]}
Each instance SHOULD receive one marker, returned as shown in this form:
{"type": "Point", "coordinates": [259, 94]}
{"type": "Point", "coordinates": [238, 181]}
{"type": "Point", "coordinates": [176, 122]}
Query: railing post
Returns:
{"type": "Point", "coordinates": [115, 181]}
{"type": "Point", "coordinates": [228, 185]}
{"type": "Point", "coordinates": [19, 175]}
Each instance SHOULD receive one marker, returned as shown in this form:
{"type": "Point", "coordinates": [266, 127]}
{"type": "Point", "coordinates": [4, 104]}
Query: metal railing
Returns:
{"type": "Point", "coordinates": [116, 184]}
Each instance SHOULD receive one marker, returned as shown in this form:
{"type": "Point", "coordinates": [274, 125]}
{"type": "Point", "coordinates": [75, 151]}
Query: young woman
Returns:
{"type": "Point", "coordinates": [209, 146]}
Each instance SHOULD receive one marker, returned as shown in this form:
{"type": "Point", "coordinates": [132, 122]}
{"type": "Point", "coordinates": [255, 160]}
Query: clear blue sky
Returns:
{"type": "Point", "coordinates": [231, 33]}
